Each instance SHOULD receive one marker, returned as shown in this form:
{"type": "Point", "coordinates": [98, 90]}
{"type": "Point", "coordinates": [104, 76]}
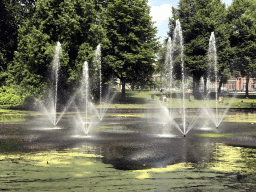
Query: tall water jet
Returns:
{"type": "Point", "coordinates": [174, 69]}
{"type": "Point", "coordinates": [52, 100]}
{"type": "Point", "coordinates": [213, 72]}
{"type": "Point", "coordinates": [97, 65]}
{"type": "Point", "coordinates": [89, 86]}
{"type": "Point", "coordinates": [169, 66]}
{"type": "Point", "coordinates": [85, 91]}
{"type": "Point", "coordinates": [166, 116]}
{"type": "Point", "coordinates": [55, 77]}
{"type": "Point", "coordinates": [50, 106]}
{"type": "Point", "coordinates": [178, 46]}
{"type": "Point", "coordinates": [215, 114]}
{"type": "Point", "coordinates": [104, 101]}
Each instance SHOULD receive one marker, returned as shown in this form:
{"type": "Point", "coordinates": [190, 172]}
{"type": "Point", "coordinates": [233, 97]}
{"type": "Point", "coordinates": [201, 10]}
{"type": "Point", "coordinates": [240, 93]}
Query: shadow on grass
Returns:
{"type": "Point", "coordinates": [129, 99]}
{"type": "Point", "coordinates": [244, 97]}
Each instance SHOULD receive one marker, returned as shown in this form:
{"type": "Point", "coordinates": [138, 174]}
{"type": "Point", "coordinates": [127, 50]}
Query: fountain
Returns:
{"type": "Point", "coordinates": [175, 52]}
{"type": "Point", "coordinates": [228, 154]}
{"type": "Point", "coordinates": [50, 105]}
{"type": "Point", "coordinates": [166, 116]}
{"type": "Point", "coordinates": [174, 67]}
{"type": "Point", "coordinates": [93, 115]}
{"type": "Point", "coordinates": [178, 44]}
{"type": "Point", "coordinates": [214, 113]}
{"type": "Point", "coordinates": [84, 117]}
{"type": "Point", "coordinates": [104, 101]}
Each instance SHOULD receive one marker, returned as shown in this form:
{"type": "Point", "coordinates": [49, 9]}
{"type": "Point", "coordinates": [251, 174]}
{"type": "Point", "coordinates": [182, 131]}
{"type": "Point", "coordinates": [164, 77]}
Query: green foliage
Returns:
{"type": "Point", "coordinates": [242, 38]}
{"type": "Point", "coordinates": [9, 96]}
{"type": "Point", "coordinates": [75, 24]}
{"type": "Point", "coordinates": [11, 16]}
{"type": "Point", "coordinates": [161, 54]}
{"type": "Point", "coordinates": [251, 10]}
{"type": "Point", "coordinates": [8, 37]}
{"type": "Point", "coordinates": [198, 19]}
{"type": "Point", "coordinates": [132, 45]}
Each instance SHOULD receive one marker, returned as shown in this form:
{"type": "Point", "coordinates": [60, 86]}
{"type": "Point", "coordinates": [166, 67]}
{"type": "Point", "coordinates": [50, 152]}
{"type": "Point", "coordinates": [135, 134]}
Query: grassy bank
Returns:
{"type": "Point", "coordinates": [136, 99]}
{"type": "Point", "coordinates": [7, 115]}
{"type": "Point", "coordinates": [143, 99]}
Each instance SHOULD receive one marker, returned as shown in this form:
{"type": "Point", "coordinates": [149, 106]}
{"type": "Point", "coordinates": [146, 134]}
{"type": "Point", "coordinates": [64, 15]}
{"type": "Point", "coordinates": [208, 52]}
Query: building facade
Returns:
{"type": "Point", "coordinates": [239, 84]}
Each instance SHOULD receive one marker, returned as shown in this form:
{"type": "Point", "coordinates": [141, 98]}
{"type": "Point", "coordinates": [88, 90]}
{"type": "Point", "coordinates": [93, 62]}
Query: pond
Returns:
{"type": "Point", "coordinates": [127, 153]}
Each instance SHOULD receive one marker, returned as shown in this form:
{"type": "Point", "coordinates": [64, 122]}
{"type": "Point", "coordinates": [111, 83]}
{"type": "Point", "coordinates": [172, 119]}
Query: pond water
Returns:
{"type": "Point", "coordinates": [126, 154]}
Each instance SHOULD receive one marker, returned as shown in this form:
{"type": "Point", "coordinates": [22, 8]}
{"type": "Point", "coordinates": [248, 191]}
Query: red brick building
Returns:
{"type": "Point", "coordinates": [239, 84]}
{"type": "Point", "coordinates": [233, 84]}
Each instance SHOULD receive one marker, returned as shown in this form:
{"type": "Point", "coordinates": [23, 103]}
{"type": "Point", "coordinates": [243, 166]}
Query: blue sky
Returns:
{"type": "Point", "coordinates": [161, 11]}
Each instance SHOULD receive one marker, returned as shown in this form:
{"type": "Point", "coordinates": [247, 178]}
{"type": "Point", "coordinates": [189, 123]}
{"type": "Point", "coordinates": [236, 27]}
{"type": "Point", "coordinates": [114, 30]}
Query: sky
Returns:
{"type": "Point", "coordinates": [161, 11]}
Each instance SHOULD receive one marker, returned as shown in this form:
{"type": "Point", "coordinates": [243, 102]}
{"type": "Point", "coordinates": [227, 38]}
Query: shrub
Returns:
{"type": "Point", "coordinates": [9, 96]}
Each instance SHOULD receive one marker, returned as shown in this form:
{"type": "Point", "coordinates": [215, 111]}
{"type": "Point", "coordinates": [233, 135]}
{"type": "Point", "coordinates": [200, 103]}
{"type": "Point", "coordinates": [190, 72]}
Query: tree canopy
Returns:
{"type": "Point", "coordinates": [132, 45]}
{"type": "Point", "coordinates": [123, 28]}
{"type": "Point", "coordinates": [243, 37]}
{"type": "Point", "coordinates": [198, 19]}
{"type": "Point", "coordinates": [11, 17]}
{"type": "Point", "coordinates": [75, 24]}
{"type": "Point", "coordinates": [30, 30]}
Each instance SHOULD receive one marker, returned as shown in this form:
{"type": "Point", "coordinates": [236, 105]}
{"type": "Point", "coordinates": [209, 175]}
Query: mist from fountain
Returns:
{"type": "Point", "coordinates": [178, 43]}
{"type": "Point", "coordinates": [92, 113]}
{"type": "Point", "coordinates": [106, 100]}
{"type": "Point", "coordinates": [214, 114]}
{"type": "Point", "coordinates": [51, 102]}
{"type": "Point", "coordinates": [174, 49]}
{"type": "Point", "coordinates": [84, 118]}
{"type": "Point", "coordinates": [55, 78]}
{"type": "Point", "coordinates": [212, 77]}
{"type": "Point", "coordinates": [50, 108]}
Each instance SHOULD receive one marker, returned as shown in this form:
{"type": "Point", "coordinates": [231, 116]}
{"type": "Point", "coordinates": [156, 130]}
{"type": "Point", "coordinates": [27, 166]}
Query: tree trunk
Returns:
{"type": "Point", "coordinates": [220, 84]}
{"type": "Point", "coordinates": [123, 88]}
{"type": "Point", "coordinates": [133, 86]}
{"type": "Point", "coordinates": [247, 86]}
{"type": "Point", "coordinates": [196, 93]}
{"type": "Point", "coordinates": [205, 86]}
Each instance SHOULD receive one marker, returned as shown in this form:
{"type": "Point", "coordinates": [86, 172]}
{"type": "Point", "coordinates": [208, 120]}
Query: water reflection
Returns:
{"type": "Point", "coordinates": [227, 168]}
{"type": "Point", "coordinates": [202, 160]}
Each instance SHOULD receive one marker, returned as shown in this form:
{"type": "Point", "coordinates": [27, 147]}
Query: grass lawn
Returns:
{"type": "Point", "coordinates": [136, 99]}
{"type": "Point", "coordinates": [7, 115]}
{"type": "Point", "coordinates": [142, 99]}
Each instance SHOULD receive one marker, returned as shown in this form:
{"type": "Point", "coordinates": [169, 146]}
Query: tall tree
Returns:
{"type": "Point", "coordinates": [8, 36]}
{"type": "Point", "coordinates": [243, 37]}
{"type": "Point", "coordinates": [160, 67]}
{"type": "Point", "coordinates": [11, 16]}
{"type": "Point", "coordinates": [251, 10]}
{"type": "Point", "coordinates": [75, 24]}
{"type": "Point", "coordinates": [198, 19]}
{"type": "Point", "coordinates": [132, 45]}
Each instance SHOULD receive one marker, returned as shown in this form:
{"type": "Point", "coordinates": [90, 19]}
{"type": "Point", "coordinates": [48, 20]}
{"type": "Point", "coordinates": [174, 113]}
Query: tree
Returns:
{"type": "Point", "coordinates": [251, 10]}
{"type": "Point", "coordinates": [160, 67]}
{"type": "Point", "coordinates": [243, 38]}
{"type": "Point", "coordinates": [132, 45]}
{"type": "Point", "coordinates": [11, 16]}
{"type": "Point", "coordinates": [198, 19]}
{"type": "Point", "coordinates": [75, 24]}
{"type": "Point", "coordinates": [8, 35]}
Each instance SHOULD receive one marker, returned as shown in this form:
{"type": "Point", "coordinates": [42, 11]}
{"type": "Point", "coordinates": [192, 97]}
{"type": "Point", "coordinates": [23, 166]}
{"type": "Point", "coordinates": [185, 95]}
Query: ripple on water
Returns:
{"type": "Point", "coordinates": [46, 128]}
{"type": "Point", "coordinates": [166, 135]}
{"type": "Point", "coordinates": [82, 136]}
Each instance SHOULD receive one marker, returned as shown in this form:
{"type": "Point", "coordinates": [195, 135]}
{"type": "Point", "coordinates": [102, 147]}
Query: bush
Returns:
{"type": "Point", "coordinates": [9, 96]}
